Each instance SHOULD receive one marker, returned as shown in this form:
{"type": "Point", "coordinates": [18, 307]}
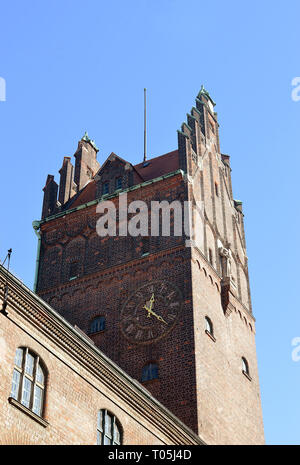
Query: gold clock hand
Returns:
{"type": "Point", "coordinates": [151, 304]}
{"type": "Point", "coordinates": [151, 312]}
{"type": "Point", "coordinates": [148, 310]}
{"type": "Point", "coordinates": [160, 318]}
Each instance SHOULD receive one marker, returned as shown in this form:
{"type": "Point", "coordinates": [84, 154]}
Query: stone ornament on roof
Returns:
{"type": "Point", "coordinates": [91, 141]}
{"type": "Point", "coordinates": [204, 92]}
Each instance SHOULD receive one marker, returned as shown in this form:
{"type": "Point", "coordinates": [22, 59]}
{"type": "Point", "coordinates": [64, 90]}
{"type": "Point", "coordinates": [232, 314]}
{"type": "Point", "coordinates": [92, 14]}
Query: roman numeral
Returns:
{"type": "Point", "coordinates": [129, 328]}
{"type": "Point", "coordinates": [169, 297]}
{"type": "Point", "coordinates": [139, 334]}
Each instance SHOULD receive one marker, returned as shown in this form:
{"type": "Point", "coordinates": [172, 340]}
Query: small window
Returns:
{"type": "Point", "coordinates": [108, 429]}
{"type": "Point", "coordinates": [145, 245]}
{"type": "Point", "coordinates": [149, 372]}
{"type": "Point", "coordinates": [209, 326]}
{"type": "Point", "coordinates": [28, 383]}
{"type": "Point", "coordinates": [245, 367]}
{"type": "Point", "coordinates": [119, 183]}
{"type": "Point", "coordinates": [73, 272]}
{"type": "Point", "coordinates": [105, 188]}
{"type": "Point", "coordinates": [210, 256]}
{"type": "Point", "coordinates": [217, 189]}
{"type": "Point", "coordinates": [98, 324]}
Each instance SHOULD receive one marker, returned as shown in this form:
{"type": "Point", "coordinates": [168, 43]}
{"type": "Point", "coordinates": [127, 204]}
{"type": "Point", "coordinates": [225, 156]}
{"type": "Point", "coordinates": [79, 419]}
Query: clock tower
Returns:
{"type": "Point", "coordinates": [171, 307]}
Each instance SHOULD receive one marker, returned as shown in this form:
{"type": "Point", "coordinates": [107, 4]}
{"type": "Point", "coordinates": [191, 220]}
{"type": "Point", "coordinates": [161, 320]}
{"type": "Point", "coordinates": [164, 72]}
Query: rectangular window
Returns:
{"type": "Point", "coordinates": [105, 188]}
{"type": "Point", "coordinates": [73, 270]}
{"type": "Point", "coordinates": [119, 183]}
{"type": "Point", "coordinates": [210, 256]}
{"type": "Point", "coordinates": [217, 189]}
{"type": "Point", "coordinates": [146, 245]}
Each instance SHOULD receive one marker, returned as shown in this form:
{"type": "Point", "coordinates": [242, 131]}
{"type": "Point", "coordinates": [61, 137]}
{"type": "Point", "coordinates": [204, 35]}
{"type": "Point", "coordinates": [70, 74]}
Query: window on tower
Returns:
{"type": "Point", "coordinates": [29, 380]}
{"type": "Point", "coordinates": [245, 367]}
{"type": "Point", "coordinates": [105, 188]}
{"type": "Point", "coordinates": [210, 256]}
{"type": "Point", "coordinates": [149, 372]}
{"type": "Point", "coordinates": [73, 270]}
{"type": "Point", "coordinates": [119, 183]}
{"type": "Point", "coordinates": [217, 189]}
{"type": "Point", "coordinates": [209, 328]}
{"type": "Point", "coordinates": [146, 245]}
{"type": "Point", "coordinates": [97, 324]}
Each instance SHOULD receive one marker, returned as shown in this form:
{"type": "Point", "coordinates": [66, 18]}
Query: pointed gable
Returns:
{"type": "Point", "coordinates": [116, 173]}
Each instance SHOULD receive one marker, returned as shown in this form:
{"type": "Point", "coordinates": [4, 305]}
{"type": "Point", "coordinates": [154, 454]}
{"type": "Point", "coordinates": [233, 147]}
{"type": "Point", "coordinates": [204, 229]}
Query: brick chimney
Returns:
{"type": "Point", "coordinates": [50, 196]}
{"type": "Point", "coordinates": [86, 165]}
{"type": "Point", "coordinates": [67, 188]}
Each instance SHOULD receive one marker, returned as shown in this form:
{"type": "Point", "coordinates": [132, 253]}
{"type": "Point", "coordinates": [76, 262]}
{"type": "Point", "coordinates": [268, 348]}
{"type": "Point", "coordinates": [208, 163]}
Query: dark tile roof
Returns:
{"type": "Point", "coordinates": [153, 168]}
{"type": "Point", "coordinates": [158, 166]}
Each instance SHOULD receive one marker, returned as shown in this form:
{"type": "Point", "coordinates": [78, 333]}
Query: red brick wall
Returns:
{"type": "Point", "coordinates": [73, 396]}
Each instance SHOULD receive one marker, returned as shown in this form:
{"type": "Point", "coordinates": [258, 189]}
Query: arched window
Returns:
{"type": "Point", "coordinates": [108, 429]}
{"type": "Point", "coordinates": [98, 324]}
{"type": "Point", "coordinates": [245, 366]}
{"type": "Point", "coordinates": [150, 371]}
{"type": "Point", "coordinates": [29, 379]}
{"type": "Point", "coordinates": [209, 326]}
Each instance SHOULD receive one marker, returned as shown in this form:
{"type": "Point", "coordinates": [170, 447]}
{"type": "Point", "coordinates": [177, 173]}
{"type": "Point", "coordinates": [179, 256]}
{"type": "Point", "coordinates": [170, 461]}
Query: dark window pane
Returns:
{"type": "Point", "coordinates": [118, 183]}
{"type": "Point", "coordinates": [98, 324]}
{"type": "Point", "coordinates": [105, 188]}
{"type": "Point", "coordinates": [150, 372]}
{"type": "Point", "coordinates": [73, 270]}
{"type": "Point", "coordinates": [146, 245]}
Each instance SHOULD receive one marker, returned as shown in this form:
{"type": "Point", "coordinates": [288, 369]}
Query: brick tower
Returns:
{"type": "Point", "coordinates": [173, 311]}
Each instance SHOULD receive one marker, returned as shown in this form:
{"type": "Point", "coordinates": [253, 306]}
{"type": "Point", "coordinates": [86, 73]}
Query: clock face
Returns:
{"type": "Point", "coordinates": [151, 312]}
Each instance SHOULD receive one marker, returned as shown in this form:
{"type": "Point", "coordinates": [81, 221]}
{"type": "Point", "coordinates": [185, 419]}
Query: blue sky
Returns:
{"type": "Point", "coordinates": [72, 66]}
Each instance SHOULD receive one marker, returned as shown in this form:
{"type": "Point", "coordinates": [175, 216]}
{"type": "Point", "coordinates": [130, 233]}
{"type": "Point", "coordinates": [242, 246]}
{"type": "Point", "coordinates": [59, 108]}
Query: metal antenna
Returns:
{"type": "Point", "coordinates": [145, 133]}
{"type": "Point", "coordinates": [4, 305]}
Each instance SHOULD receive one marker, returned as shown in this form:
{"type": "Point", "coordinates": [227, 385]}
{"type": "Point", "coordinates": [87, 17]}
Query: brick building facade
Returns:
{"type": "Point", "coordinates": [79, 382]}
{"type": "Point", "coordinates": [196, 354]}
